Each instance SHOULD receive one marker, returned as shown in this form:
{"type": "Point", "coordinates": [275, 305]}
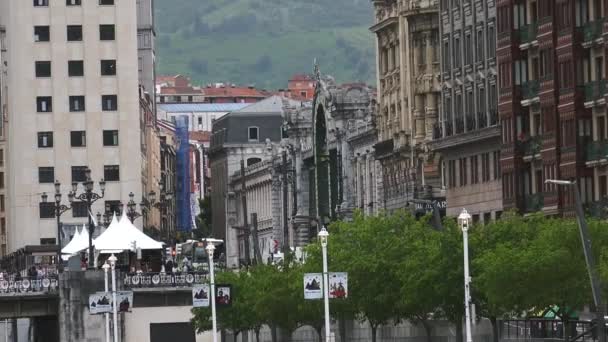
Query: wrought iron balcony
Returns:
{"type": "Point", "coordinates": [530, 89]}
{"type": "Point", "coordinates": [597, 150]}
{"type": "Point", "coordinates": [592, 30]}
{"type": "Point", "coordinates": [527, 33]}
{"type": "Point", "coordinates": [459, 125]}
{"type": "Point", "coordinates": [534, 202]}
{"type": "Point", "coordinates": [595, 90]}
{"type": "Point", "coordinates": [531, 146]}
{"type": "Point", "coordinates": [471, 124]}
{"type": "Point", "coordinates": [482, 120]}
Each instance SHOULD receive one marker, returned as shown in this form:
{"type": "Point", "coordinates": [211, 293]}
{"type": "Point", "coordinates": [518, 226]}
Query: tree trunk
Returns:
{"type": "Point", "coordinates": [342, 328]}
{"type": "Point", "coordinates": [495, 332]}
{"type": "Point", "coordinates": [427, 329]}
{"type": "Point", "coordinates": [459, 331]}
{"type": "Point", "coordinates": [374, 328]}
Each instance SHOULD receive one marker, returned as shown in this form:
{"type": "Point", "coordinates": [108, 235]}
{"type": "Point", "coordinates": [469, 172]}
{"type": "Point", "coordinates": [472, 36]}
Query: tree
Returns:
{"type": "Point", "coordinates": [203, 220]}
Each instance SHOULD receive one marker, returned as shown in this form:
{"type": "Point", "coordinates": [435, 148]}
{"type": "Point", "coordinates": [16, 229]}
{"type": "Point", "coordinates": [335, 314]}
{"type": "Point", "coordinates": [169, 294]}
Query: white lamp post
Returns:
{"type": "Point", "coordinates": [464, 219]}
{"type": "Point", "coordinates": [210, 249]}
{"type": "Point", "coordinates": [106, 267]}
{"type": "Point", "coordinates": [323, 235]}
{"type": "Point", "coordinates": [112, 259]}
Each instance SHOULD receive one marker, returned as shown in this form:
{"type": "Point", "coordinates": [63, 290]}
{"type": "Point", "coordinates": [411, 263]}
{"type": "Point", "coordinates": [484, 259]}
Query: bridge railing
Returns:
{"type": "Point", "coordinates": [29, 285]}
{"type": "Point", "coordinates": [163, 280]}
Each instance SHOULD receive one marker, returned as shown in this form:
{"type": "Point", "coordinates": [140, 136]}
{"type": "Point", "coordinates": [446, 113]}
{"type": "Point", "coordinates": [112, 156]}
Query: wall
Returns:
{"type": "Point", "coordinates": [137, 323]}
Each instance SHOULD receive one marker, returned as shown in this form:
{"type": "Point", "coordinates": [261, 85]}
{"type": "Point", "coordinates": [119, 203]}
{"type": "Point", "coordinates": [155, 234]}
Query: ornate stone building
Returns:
{"type": "Point", "coordinates": [407, 36]}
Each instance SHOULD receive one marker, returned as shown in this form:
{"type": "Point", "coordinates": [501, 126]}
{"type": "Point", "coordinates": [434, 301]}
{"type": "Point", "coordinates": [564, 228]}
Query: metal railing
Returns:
{"type": "Point", "coordinates": [595, 90]}
{"type": "Point", "coordinates": [160, 280]}
{"type": "Point", "coordinates": [531, 146]}
{"type": "Point", "coordinates": [15, 285]}
{"type": "Point", "coordinates": [592, 30]}
{"type": "Point", "coordinates": [597, 150]}
{"type": "Point", "coordinates": [530, 89]}
{"type": "Point", "coordinates": [534, 202]}
{"type": "Point", "coordinates": [528, 33]}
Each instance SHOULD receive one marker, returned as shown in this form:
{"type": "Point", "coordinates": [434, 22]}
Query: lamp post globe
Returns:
{"type": "Point", "coordinates": [323, 235]}
{"type": "Point", "coordinates": [464, 220]}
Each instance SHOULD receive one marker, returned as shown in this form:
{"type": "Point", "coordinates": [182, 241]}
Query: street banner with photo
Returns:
{"type": "Point", "coordinates": [100, 302]}
{"type": "Point", "coordinates": [124, 300]}
{"type": "Point", "coordinates": [313, 286]}
{"type": "Point", "coordinates": [200, 296]}
{"type": "Point", "coordinates": [338, 285]}
{"type": "Point", "coordinates": [223, 294]}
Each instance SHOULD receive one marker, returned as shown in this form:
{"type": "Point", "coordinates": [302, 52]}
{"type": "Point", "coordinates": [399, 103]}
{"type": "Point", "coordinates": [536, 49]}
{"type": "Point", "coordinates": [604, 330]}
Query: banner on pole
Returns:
{"type": "Point", "coordinates": [100, 302]}
{"type": "Point", "coordinates": [124, 300]}
{"type": "Point", "coordinates": [338, 285]}
{"type": "Point", "coordinates": [223, 294]}
{"type": "Point", "coordinates": [200, 296]}
{"type": "Point", "coordinates": [313, 286]}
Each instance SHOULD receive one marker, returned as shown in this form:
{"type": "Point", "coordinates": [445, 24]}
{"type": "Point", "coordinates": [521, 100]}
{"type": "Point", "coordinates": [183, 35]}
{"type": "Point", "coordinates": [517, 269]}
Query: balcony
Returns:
{"type": "Point", "coordinates": [534, 202]}
{"type": "Point", "coordinates": [597, 152]}
{"type": "Point", "coordinates": [529, 92]}
{"type": "Point", "coordinates": [527, 35]}
{"type": "Point", "coordinates": [591, 31]}
{"type": "Point", "coordinates": [531, 146]}
{"type": "Point", "coordinates": [594, 92]}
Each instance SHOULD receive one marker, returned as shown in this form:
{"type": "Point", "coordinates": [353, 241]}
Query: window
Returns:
{"type": "Point", "coordinates": [42, 34]}
{"type": "Point", "coordinates": [480, 45]}
{"type": "Point", "coordinates": [456, 52]}
{"type": "Point", "coordinates": [73, 2]}
{"type": "Point", "coordinates": [47, 210]}
{"type": "Point", "coordinates": [113, 207]}
{"type": "Point", "coordinates": [468, 49]}
{"type": "Point", "coordinates": [79, 173]}
{"type": "Point", "coordinates": [452, 173]}
{"type": "Point", "coordinates": [45, 139]}
{"type": "Point", "coordinates": [76, 103]}
{"type": "Point", "coordinates": [107, 32]}
{"type": "Point", "coordinates": [106, 2]}
{"type": "Point", "coordinates": [79, 209]}
{"type": "Point", "coordinates": [111, 173]}
{"type": "Point", "coordinates": [78, 138]}
{"type": "Point", "coordinates": [491, 42]}
{"type": "Point", "coordinates": [47, 241]}
{"type": "Point", "coordinates": [2, 204]}
{"type": "Point", "coordinates": [1, 180]}
{"type": "Point", "coordinates": [462, 167]}
{"type": "Point", "coordinates": [41, 3]}
{"type": "Point", "coordinates": [44, 104]}
{"type": "Point", "coordinates": [74, 33]}
{"type": "Point", "coordinates": [1, 157]}
{"type": "Point", "coordinates": [485, 167]}
{"type": "Point", "coordinates": [108, 67]}
{"type": "Point", "coordinates": [254, 134]}
{"type": "Point", "coordinates": [109, 102]}
{"type": "Point", "coordinates": [46, 174]}
{"type": "Point", "coordinates": [496, 158]}
{"type": "Point", "coordinates": [43, 69]}
{"type": "Point", "coordinates": [110, 138]}
{"type": "Point", "coordinates": [75, 68]}
{"type": "Point", "coordinates": [474, 170]}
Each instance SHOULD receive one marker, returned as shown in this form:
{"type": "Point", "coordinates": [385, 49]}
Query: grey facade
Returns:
{"type": "Point", "coordinates": [468, 135]}
{"type": "Point", "coordinates": [146, 49]}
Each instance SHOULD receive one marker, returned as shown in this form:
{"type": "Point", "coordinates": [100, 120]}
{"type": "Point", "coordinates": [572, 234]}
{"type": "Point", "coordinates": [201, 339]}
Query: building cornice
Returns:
{"type": "Point", "coordinates": [384, 24]}
{"type": "Point", "coordinates": [465, 139]}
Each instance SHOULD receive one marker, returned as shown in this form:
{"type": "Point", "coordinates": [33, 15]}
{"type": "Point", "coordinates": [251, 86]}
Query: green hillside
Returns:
{"type": "Point", "coordinates": [264, 42]}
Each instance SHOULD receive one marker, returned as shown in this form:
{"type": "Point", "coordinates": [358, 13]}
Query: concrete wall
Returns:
{"type": "Point", "coordinates": [137, 323]}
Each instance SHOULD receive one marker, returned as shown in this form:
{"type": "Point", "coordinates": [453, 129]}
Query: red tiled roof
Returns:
{"type": "Point", "coordinates": [300, 77]}
{"type": "Point", "coordinates": [179, 90]}
{"type": "Point", "coordinates": [230, 91]}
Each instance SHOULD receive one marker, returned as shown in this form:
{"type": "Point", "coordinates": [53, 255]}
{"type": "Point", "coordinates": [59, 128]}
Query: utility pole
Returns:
{"type": "Point", "coordinates": [256, 244]}
{"type": "Point", "coordinates": [244, 203]}
{"type": "Point", "coordinates": [284, 171]}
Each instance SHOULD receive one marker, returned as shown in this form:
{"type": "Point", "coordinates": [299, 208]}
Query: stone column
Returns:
{"type": "Point", "coordinates": [430, 52]}
{"type": "Point", "coordinates": [419, 116]}
{"type": "Point", "coordinates": [431, 114]}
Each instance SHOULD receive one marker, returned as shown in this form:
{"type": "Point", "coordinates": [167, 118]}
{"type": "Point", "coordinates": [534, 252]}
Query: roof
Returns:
{"type": "Point", "coordinates": [273, 104]}
{"type": "Point", "coordinates": [201, 107]}
{"type": "Point", "coordinates": [232, 91]}
{"type": "Point", "coordinates": [300, 77]}
{"type": "Point", "coordinates": [180, 90]}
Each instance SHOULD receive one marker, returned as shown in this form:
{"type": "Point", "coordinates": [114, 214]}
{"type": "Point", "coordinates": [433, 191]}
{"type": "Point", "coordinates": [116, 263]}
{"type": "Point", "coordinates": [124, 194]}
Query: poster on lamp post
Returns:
{"type": "Point", "coordinates": [124, 300]}
{"type": "Point", "coordinates": [223, 294]}
{"type": "Point", "coordinates": [200, 296]}
{"type": "Point", "coordinates": [313, 286]}
{"type": "Point", "coordinates": [100, 302]}
{"type": "Point", "coordinates": [338, 285]}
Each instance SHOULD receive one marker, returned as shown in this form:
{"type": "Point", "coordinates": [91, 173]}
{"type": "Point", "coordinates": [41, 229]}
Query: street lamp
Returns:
{"type": "Point", "coordinates": [464, 219]}
{"type": "Point", "coordinates": [59, 210]}
{"type": "Point", "coordinates": [590, 260]}
{"type": "Point", "coordinates": [210, 249]}
{"type": "Point", "coordinates": [162, 205]}
{"type": "Point", "coordinates": [106, 267]}
{"type": "Point", "coordinates": [89, 197]}
{"type": "Point", "coordinates": [112, 259]}
{"type": "Point", "coordinates": [323, 235]}
{"type": "Point", "coordinates": [106, 218]}
{"type": "Point", "coordinates": [132, 213]}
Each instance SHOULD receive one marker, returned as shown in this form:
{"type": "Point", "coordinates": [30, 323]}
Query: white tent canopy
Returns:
{"type": "Point", "coordinates": [79, 242]}
{"type": "Point", "coordinates": [68, 249]}
{"type": "Point", "coordinates": [120, 237]}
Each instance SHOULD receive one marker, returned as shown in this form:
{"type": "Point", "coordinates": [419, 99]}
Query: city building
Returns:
{"type": "Point", "coordinates": [168, 182]}
{"type": "Point", "coordinates": [230, 93]}
{"type": "Point", "coordinates": [239, 136]}
{"type": "Point", "coordinates": [3, 99]}
{"type": "Point", "coordinates": [72, 109]}
{"type": "Point", "coordinates": [468, 134]}
{"type": "Point", "coordinates": [551, 66]}
{"type": "Point", "coordinates": [177, 89]}
{"type": "Point", "coordinates": [301, 86]}
{"type": "Point", "coordinates": [408, 77]}
{"type": "Point", "coordinates": [200, 116]}
{"type": "Point", "coordinates": [146, 48]}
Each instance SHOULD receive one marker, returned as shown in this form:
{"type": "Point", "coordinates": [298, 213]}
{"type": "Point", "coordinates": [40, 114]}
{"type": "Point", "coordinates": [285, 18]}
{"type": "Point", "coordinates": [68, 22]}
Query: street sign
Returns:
{"type": "Point", "coordinates": [200, 296]}
{"type": "Point", "coordinates": [338, 285]}
{"type": "Point", "coordinates": [100, 302]}
{"type": "Point", "coordinates": [313, 286]}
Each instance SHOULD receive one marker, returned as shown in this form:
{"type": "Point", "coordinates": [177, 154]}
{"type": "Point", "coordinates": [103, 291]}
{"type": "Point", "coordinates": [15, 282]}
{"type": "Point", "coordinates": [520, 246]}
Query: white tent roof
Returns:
{"type": "Point", "coordinates": [68, 249]}
{"type": "Point", "coordinates": [79, 242]}
{"type": "Point", "coordinates": [119, 237]}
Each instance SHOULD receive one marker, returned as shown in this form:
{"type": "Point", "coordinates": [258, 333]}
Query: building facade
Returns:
{"type": "Point", "coordinates": [3, 112]}
{"type": "Point", "coordinates": [146, 48]}
{"type": "Point", "coordinates": [551, 63]}
{"type": "Point", "coordinates": [408, 76]}
{"type": "Point", "coordinates": [468, 135]}
{"type": "Point", "coordinates": [74, 108]}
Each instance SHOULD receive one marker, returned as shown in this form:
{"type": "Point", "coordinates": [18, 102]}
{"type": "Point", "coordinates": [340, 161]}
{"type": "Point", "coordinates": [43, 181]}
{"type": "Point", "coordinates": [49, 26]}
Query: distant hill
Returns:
{"type": "Point", "coordinates": [264, 42]}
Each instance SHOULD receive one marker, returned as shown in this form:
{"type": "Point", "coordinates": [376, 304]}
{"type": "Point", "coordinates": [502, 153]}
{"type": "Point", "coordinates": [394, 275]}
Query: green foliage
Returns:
{"type": "Point", "coordinates": [203, 220]}
{"type": "Point", "coordinates": [232, 39]}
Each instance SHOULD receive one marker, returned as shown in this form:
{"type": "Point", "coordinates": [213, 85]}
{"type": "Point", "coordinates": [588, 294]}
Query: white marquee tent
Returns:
{"type": "Point", "coordinates": [120, 237]}
{"type": "Point", "coordinates": [79, 242]}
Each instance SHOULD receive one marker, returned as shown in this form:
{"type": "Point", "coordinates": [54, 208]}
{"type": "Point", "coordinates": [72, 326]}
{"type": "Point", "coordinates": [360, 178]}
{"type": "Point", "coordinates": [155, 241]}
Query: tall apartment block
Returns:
{"type": "Point", "coordinates": [468, 134]}
{"type": "Point", "coordinates": [408, 70]}
{"type": "Point", "coordinates": [73, 80]}
{"type": "Point", "coordinates": [552, 89]}
{"type": "Point", "coordinates": [146, 54]}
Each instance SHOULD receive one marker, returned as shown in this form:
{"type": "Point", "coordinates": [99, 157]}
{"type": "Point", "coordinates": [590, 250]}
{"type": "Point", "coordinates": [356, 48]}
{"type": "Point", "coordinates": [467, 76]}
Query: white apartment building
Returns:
{"type": "Point", "coordinates": [72, 103]}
